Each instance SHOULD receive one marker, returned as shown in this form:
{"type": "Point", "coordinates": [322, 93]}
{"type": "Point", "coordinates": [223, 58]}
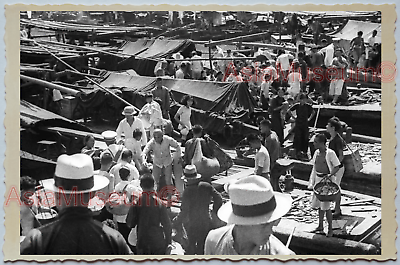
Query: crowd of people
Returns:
{"type": "Point", "coordinates": [308, 69]}
{"type": "Point", "coordinates": [142, 163]}
{"type": "Point", "coordinates": [151, 175]}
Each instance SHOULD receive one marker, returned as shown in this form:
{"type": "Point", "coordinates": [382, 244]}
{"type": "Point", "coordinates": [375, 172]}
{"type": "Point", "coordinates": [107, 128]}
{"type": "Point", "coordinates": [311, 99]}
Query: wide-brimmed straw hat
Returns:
{"type": "Point", "coordinates": [75, 173]}
{"type": "Point", "coordinates": [253, 202]}
{"type": "Point", "coordinates": [190, 173]}
{"type": "Point", "coordinates": [129, 110]}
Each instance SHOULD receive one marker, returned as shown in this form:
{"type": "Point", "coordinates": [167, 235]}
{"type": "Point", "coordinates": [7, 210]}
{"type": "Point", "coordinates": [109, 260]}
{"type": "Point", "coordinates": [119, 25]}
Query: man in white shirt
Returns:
{"type": "Point", "coordinates": [160, 145]}
{"type": "Point", "coordinates": [336, 86]}
{"type": "Point", "coordinates": [371, 43]}
{"type": "Point", "coordinates": [284, 60]}
{"type": "Point", "coordinates": [269, 74]}
{"type": "Point", "coordinates": [283, 63]}
{"type": "Point", "coordinates": [262, 160]}
{"type": "Point", "coordinates": [329, 51]}
{"type": "Point", "coordinates": [180, 73]}
{"type": "Point", "coordinates": [177, 56]}
{"type": "Point", "coordinates": [129, 124]}
{"type": "Point", "coordinates": [197, 66]}
{"type": "Point", "coordinates": [219, 53]}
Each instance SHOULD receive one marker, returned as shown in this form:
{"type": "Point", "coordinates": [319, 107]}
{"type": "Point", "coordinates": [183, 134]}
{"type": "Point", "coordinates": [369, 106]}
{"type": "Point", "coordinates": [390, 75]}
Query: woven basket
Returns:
{"type": "Point", "coordinates": [326, 197]}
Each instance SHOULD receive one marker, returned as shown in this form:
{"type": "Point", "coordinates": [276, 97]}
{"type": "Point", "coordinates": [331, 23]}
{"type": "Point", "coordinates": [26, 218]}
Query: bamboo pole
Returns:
{"type": "Point", "coordinates": [68, 57]}
{"type": "Point", "coordinates": [267, 45]}
{"type": "Point", "coordinates": [70, 85]}
{"type": "Point", "coordinates": [216, 59]}
{"type": "Point", "coordinates": [235, 38]}
{"type": "Point", "coordinates": [63, 89]}
{"type": "Point", "coordinates": [88, 49]}
{"type": "Point", "coordinates": [209, 55]}
{"type": "Point", "coordinates": [117, 54]}
{"type": "Point", "coordinates": [88, 78]}
{"type": "Point", "coordinates": [83, 74]}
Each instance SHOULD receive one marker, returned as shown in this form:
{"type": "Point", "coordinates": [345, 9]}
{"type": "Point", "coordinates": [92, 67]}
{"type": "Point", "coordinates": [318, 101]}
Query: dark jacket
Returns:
{"type": "Point", "coordinates": [195, 203]}
{"type": "Point", "coordinates": [74, 232]}
{"type": "Point", "coordinates": [154, 227]}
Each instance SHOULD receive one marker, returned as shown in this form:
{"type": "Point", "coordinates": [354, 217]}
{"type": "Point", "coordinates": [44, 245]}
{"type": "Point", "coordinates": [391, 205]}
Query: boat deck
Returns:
{"type": "Point", "coordinates": [361, 217]}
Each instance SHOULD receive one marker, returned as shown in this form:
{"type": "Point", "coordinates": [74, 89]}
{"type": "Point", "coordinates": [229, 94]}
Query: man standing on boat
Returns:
{"type": "Point", "coordinates": [340, 64]}
{"type": "Point", "coordinates": [370, 45]}
{"type": "Point", "coordinates": [254, 209]}
{"type": "Point", "coordinates": [160, 145]}
{"type": "Point", "coordinates": [197, 66]}
{"type": "Point", "coordinates": [162, 93]}
{"type": "Point", "coordinates": [325, 165]}
{"type": "Point", "coordinates": [336, 144]}
{"type": "Point", "coordinates": [305, 113]}
{"type": "Point", "coordinates": [195, 209]}
{"type": "Point", "coordinates": [271, 142]}
{"type": "Point", "coordinates": [128, 125]}
{"type": "Point", "coordinates": [357, 47]}
{"type": "Point", "coordinates": [262, 160]}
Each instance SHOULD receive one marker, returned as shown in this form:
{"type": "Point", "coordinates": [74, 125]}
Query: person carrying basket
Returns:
{"type": "Point", "coordinates": [326, 164]}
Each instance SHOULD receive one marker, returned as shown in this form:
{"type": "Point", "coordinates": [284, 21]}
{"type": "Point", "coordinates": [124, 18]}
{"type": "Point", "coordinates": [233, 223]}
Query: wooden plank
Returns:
{"type": "Point", "coordinates": [356, 202]}
{"type": "Point", "coordinates": [29, 156]}
{"type": "Point", "coordinates": [222, 181]}
{"type": "Point", "coordinates": [323, 244]}
{"type": "Point", "coordinates": [366, 225]}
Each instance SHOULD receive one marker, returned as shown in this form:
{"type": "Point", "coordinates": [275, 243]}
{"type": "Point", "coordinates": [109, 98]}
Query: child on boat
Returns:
{"type": "Point", "coordinates": [326, 164]}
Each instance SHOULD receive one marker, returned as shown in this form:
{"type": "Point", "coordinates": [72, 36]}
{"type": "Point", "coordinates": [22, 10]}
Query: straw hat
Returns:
{"type": "Point", "coordinates": [75, 172]}
{"type": "Point", "coordinates": [109, 135]}
{"type": "Point", "coordinates": [190, 173]}
{"type": "Point", "coordinates": [253, 202]}
{"type": "Point", "coordinates": [129, 110]}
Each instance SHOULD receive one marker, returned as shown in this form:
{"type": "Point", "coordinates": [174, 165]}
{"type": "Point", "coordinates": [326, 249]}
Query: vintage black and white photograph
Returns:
{"type": "Point", "coordinates": [201, 132]}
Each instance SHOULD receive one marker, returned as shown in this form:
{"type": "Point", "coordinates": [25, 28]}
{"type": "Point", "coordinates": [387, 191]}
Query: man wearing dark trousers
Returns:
{"type": "Point", "coordinates": [195, 213]}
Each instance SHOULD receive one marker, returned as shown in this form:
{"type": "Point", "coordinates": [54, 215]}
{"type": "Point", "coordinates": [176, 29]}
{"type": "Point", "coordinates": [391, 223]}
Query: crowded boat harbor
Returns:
{"type": "Point", "coordinates": [218, 116]}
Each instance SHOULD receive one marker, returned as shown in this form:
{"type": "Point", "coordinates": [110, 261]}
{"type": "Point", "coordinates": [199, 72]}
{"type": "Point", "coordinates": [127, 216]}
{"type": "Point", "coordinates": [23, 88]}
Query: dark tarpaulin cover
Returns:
{"type": "Point", "coordinates": [135, 47]}
{"type": "Point", "coordinates": [209, 96]}
{"type": "Point", "coordinates": [34, 116]}
{"type": "Point", "coordinates": [143, 67]}
{"type": "Point", "coordinates": [165, 48]}
{"type": "Point", "coordinates": [147, 52]}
